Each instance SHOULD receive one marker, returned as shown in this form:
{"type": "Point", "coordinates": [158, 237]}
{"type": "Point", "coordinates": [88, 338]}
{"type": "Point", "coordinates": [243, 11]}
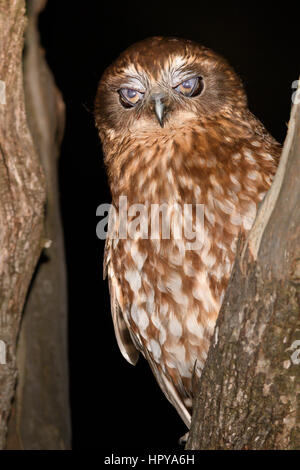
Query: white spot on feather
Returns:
{"type": "Point", "coordinates": [226, 206]}
{"type": "Point", "coordinates": [249, 156]}
{"type": "Point", "coordinates": [256, 143]}
{"type": "Point", "coordinates": [156, 321]}
{"type": "Point", "coordinates": [249, 218]}
{"type": "Point", "coordinates": [208, 259]}
{"type": "Point", "coordinates": [139, 317]}
{"type": "Point", "coordinates": [197, 192]}
{"type": "Point", "coordinates": [194, 327]}
{"type": "Point", "coordinates": [162, 335]}
{"type": "Point", "coordinates": [184, 369]}
{"type": "Point", "coordinates": [254, 175]}
{"type": "Point", "coordinates": [202, 292]}
{"type": "Point", "coordinates": [235, 182]}
{"type": "Point", "coordinates": [161, 287]}
{"type": "Point", "coordinates": [216, 184]}
{"type": "Point", "coordinates": [188, 269]}
{"type": "Point", "coordinates": [236, 219]}
{"type": "Point", "coordinates": [267, 156]}
{"type": "Point", "coordinates": [138, 257]}
{"type": "Point", "coordinates": [177, 350]}
{"type": "Point", "coordinates": [164, 309]}
{"type": "Point", "coordinates": [156, 350]}
{"type": "Point", "coordinates": [210, 217]}
{"type": "Point", "coordinates": [210, 323]}
{"type": "Point", "coordinates": [174, 283]}
{"type": "Point", "coordinates": [133, 277]}
{"type": "Point", "coordinates": [236, 156]}
{"type": "Point", "coordinates": [175, 327]}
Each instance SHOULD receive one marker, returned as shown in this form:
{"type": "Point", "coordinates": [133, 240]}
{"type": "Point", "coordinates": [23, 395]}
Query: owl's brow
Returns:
{"type": "Point", "coordinates": [133, 82]}
{"type": "Point", "coordinates": [181, 75]}
{"type": "Point", "coordinates": [177, 69]}
{"type": "Point", "coordinates": [135, 77]}
{"type": "Point", "coordinates": [175, 77]}
{"type": "Point", "coordinates": [176, 63]}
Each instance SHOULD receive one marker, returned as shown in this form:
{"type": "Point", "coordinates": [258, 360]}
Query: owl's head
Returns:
{"type": "Point", "coordinates": [163, 83]}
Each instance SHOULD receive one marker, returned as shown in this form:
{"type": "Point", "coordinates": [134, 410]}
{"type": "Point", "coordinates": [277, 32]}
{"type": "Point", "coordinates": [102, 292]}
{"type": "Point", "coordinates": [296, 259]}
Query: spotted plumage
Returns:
{"type": "Point", "coordinates": [175, 128]}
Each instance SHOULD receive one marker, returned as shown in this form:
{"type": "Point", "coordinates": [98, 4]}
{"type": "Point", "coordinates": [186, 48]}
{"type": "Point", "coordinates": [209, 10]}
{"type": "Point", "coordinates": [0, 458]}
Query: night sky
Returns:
{"type": "Point", "coordinates": [116, 406]}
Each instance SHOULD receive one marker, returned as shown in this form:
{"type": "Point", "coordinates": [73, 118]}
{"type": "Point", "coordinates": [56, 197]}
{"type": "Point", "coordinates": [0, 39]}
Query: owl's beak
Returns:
{"type": "Point", "coordinates": [159, 106]}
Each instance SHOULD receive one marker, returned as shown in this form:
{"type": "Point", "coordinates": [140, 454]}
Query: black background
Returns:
{"type": "Point", "coordinates": [114, 405]}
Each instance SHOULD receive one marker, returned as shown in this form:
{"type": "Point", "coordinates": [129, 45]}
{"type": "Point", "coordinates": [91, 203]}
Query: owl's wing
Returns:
{"type": "Point", "coordinates": [130, 345]}
{"type": "Point", "coordinates": [169, 390]}
{"type": "Point", "coordinates": [123, 336]}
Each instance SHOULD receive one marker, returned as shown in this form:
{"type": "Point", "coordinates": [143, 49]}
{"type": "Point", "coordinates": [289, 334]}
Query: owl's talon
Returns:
{"type": "Point", "coordinates": [183, 440]}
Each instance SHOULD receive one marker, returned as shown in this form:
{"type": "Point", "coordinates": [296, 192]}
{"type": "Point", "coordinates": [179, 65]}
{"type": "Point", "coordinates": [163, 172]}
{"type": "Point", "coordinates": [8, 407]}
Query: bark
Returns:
{"type": "Point", "coordinates": [22, 198]}
{"type": "Point", "coordinates": [40, 416]}
{"type": "Point", "coordinates": [249, 393]}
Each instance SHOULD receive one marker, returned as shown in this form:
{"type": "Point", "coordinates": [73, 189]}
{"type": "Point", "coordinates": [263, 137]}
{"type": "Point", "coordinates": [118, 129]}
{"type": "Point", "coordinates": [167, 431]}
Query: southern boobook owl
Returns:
{"type": "Point", "coordinates": [175, 127]}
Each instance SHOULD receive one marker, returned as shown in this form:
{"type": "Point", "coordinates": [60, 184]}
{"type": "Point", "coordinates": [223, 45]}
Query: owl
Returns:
{"type": "Point", "coordinates": [176, 130]}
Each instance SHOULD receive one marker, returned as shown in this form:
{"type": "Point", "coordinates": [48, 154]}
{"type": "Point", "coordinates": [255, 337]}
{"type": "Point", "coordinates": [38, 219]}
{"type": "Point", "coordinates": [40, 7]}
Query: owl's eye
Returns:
{"type": "Point", "coordinates": [190, 87]}
{"type": "Point", "coordinates": [129, 97]}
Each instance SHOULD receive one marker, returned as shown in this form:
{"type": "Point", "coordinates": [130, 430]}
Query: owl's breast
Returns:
{"type": "Point", "coordinates": [171, 297]}
{"type": "Point", "coordinates": [170, 289]}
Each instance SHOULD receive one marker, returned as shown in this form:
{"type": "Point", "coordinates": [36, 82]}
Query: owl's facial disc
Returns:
{"type": "Point", "coordinates": [196, 83]}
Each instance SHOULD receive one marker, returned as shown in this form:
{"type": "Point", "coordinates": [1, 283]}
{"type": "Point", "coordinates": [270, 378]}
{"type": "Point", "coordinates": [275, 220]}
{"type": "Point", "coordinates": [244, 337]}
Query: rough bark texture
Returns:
{"type": "Point", "coordinates": [41, 415]}
{"type": "Point", "coordinates": [31, 128]}
{"type": "Point", "coordinates": [249, 392]}
{"type": "Point", "coordinates": [22, 198]}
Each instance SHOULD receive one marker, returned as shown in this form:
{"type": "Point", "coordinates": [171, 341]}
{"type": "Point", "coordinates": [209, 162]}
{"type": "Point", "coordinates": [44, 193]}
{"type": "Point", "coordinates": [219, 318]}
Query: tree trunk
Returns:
{"type": "Point", "coordinates": [40, 414]}
{"type": "Point", "coordinates": [249, 393]}
{"type": "Point", "coordinates": [22, 198]}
